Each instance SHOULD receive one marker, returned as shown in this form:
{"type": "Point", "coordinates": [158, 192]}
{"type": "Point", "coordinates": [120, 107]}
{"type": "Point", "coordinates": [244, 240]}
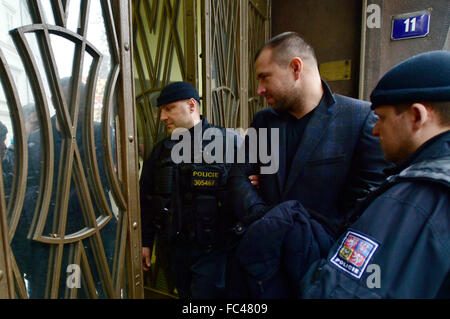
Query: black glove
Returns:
{"type": "Point", "coordinates": [255, 213]}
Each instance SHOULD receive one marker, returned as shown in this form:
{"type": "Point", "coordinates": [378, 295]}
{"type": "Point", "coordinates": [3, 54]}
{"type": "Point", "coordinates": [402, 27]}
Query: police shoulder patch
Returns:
{"type": "Point", "coordinates": [354, 253]}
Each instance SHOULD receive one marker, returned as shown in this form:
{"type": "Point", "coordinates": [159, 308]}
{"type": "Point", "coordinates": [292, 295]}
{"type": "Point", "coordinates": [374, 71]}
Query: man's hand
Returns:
{"type": "Point", "coordinates": [146, 257]}
{"type": "Point", "coordinates": [254, 179]}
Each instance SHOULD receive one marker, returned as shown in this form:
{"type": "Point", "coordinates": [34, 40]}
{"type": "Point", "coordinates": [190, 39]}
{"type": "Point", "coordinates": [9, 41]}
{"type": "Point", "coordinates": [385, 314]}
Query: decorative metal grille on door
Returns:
{"type": "Point", "coordinates": [63, 158]}
{"type": "Point", "coordinates": [234, 31]}
{"type": "Point", "coordinates": [223, 65]}
{"type": "Point", "coordinates": [165, 51]}
{"type": "Point", "coordinates": [258, 34]}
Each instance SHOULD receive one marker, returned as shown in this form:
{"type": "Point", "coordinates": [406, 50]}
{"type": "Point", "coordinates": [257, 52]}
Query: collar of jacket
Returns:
{"type": "Point", "coordinates": [430, 162]}
{"type": "Point", "coordinates": [436, 147]}
{"type": "Point", "coordinates": [203, 122]}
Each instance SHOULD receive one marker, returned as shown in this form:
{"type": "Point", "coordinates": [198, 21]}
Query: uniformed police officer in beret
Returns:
{"type": "Point", "coordinates": [184, 205]}
{"type": "Point", "coordinates": [399, 247]}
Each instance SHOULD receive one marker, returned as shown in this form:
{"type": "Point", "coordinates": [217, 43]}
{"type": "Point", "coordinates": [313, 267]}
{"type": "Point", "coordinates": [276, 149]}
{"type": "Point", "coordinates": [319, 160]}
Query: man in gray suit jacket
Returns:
{"type": "Point", "coordinates": [328, 156]}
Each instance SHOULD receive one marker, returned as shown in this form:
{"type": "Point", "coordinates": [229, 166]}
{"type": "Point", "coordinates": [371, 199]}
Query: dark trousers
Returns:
{"type": "Point", "coordinates": [198, 273]}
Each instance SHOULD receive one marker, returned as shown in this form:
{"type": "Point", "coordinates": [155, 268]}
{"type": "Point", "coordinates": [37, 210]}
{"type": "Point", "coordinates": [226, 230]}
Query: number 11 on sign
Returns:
{"type": "Point", "coordinates": [413, 24]}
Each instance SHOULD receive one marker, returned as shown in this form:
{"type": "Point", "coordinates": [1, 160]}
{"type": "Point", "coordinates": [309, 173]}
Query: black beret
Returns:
{"type": "Point", "coordinates": [422, 78]}
{"type": "Point", "coordinates": [177, 91]}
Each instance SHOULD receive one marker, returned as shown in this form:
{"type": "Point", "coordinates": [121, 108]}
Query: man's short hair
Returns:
{"type": "Point", "coordinates": [442, 109]}
{"type": "Point", "coordinates": [286, 46]}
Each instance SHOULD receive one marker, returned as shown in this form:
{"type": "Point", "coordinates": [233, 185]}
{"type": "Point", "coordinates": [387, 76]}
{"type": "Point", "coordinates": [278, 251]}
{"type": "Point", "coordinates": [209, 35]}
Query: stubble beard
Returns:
{"type": "Point", "coordinates": [286, 102]}
{"type": "Point", "coordinates": [398, 153]}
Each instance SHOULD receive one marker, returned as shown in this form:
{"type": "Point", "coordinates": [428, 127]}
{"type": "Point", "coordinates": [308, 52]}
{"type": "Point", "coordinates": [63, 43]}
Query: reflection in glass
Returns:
{"type": "Point", "coordinates": [75, 203]}
{"type": "Point", "coordinates": [13, 13]}
{"type": "Point", "coordinates": [63, 51]}
{"type": "Point", "coordinates": [49, 18]}
{"type": "Point", "coordinates": [36, 52]}
{"type": "Point", "coordinates": [73, 20]}
{"type": "Point", "coordinates": [6, 149]}
{"type": "Point", "coordinates": [98, 36]}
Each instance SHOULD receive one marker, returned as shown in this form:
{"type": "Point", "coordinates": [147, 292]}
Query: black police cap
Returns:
{"type": "Point", "coordinates": [177, 91]}
{"type": "Point", "coordinates": [422, 78]}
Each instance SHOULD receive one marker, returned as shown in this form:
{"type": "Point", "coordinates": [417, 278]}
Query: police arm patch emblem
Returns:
{"type": "Point", "coordinates": [354, 253]}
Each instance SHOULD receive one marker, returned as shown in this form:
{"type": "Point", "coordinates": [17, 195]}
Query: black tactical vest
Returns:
{"type": "Point", "coordinates": [189, 199]}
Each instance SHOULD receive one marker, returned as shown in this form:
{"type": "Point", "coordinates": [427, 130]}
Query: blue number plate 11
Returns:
{"type": "Point", "coordinates": [410, 26]}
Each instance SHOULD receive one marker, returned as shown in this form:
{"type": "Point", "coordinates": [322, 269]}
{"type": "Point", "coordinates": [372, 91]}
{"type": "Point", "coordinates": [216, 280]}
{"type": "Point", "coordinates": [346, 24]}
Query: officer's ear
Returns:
{"type": "Point", "coordinates": [192, 104]}
{"type": "Point", "coordinates": [420, 114]}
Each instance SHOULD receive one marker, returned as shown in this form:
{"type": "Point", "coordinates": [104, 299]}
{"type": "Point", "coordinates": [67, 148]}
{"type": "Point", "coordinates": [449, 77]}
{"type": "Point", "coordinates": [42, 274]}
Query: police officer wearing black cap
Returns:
{"type": "Point", "coordinates": [398, 245]}
{"type": "Point", "coordinates": [183, 204]}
